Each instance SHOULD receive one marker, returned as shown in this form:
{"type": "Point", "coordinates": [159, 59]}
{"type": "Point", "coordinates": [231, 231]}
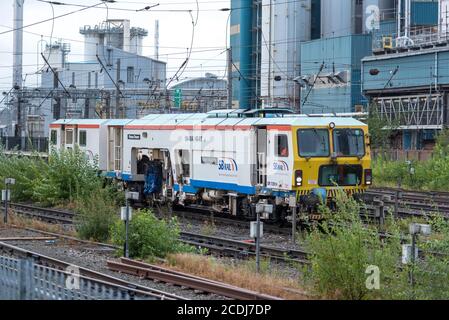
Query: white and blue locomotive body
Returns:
{"type": "Point", "coordinates": [222, 160]}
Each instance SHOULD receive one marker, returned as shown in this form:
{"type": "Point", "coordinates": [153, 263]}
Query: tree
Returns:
{"type": "Point", "coordinates": [380, 129]}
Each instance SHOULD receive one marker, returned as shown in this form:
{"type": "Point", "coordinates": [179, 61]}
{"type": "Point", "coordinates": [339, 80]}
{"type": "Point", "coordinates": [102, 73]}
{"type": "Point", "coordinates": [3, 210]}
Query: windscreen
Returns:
{"type": "Point", "coordinates": [349, 142]}
{"type": "Point", "coordinates": [313, 143]}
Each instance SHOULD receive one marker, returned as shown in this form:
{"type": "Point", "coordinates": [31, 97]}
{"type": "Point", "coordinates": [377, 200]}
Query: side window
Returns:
{"type": "Point", "coordinates": [83, 138]}
{"type": "Point", "coordinates": [281, 145]}
{"type": "Point", "coordinates": [69, 136]}
{"type": "Point", "coordinates": [183, 162]}
{"type": "Point", "coordinates": [130, 74]}
{"type": "Point", "coordinates": [54, 137]}
{"type": "Point", "coordinates": [209, 160]}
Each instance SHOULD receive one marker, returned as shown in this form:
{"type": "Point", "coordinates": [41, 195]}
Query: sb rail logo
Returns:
{"type": "Point", "coordinates": [228, 165]}
{"type": "Point", "coordinates": [280, 166]}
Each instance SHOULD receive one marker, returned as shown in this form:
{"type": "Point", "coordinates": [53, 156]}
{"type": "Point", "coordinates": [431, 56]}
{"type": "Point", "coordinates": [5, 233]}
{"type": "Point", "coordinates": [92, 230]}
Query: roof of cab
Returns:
{"type": "Point", "coordinates": [81, 121]}
{"type": "Point", "coordinates": [209, 120]}
{"type": "Point", "coordinates": [118, 122]}
{"type": "Point", "coordinates": [62, 121]}
{"type": "Point", "coordinates": [205, 119]}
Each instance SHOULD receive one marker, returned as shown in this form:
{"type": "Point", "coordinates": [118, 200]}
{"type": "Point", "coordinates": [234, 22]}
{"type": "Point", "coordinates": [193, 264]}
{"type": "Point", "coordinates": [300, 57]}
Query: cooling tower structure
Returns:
{"type": "Point", "coordinates": [285, 24]}
{"type": "Point", "coordinates": [114, 33]}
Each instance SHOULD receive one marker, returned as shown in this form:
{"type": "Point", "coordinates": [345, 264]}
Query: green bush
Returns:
{"type": "Point", "coordinates": [70, 176]}
{"type": "Point", "coordinates": [149, 236]}
{"type": "Point", "coordinates": [66, 177]}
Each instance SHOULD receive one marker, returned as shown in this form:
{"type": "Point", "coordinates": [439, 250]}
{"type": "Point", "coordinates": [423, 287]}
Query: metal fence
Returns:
{"type": "Point", "coordinates": [24, 144]}
{"type": "Point", "coordinates": [403, 155]}
{"type": "Point", "coordinates": [25, 280]}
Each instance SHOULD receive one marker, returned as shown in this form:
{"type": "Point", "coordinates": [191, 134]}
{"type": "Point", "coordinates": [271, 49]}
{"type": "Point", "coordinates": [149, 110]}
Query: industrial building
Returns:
{"type": "Point", "coordinates": [200, 94]}
{"type": "Point", "coordinates": [244, 41]}
{"type": "Point", "coordinates": [112, 61]}
{"type": "Point", "coordinates": [312, 56]}
{"type": "Point", "coordinates": [112, 80]}
{"type": "Point", "coordinates": [406, 79]}
{"type": "Point", "coordinates": [265, 39]}
{"type": "Point", "coordinates": [278, 47]}
{"type": "Point", "coordinates": [330, 74]}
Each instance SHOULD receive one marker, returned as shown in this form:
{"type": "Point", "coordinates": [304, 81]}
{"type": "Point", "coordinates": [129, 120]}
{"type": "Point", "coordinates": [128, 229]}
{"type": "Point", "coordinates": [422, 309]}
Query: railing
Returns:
{"type": "Point", "coordinates": [403, 155]}
{"type": "Point", "coordinates": [24, 144]}
{"type": "Point", "coordinates": [25, 280]}
{"type": "Point", "coordinates": [422, 36]}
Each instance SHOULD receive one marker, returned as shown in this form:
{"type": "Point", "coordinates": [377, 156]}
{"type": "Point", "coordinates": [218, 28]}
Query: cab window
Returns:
{"type": "Point", "coordinates": [281, 145]}
{"type": "Point", "coordinates": [313, 143]}
{"type": "Point", "coordinates": [349, 142]}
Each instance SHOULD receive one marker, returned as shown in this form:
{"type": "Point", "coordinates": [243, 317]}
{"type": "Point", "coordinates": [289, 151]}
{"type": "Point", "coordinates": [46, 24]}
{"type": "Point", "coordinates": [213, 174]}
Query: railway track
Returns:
{"type": "Point", "coordinates": [242, 249]}
{"type": "Point", "coordinates": [165, 275]}
{"type": "Point", "coordinates": [44, 214]}
{"type": "Point", "coordinates": [215, 245]}
{"type": "Point", "coordinates": [134, 290]}
{"type": "Point", "coordinates": [408, 203]}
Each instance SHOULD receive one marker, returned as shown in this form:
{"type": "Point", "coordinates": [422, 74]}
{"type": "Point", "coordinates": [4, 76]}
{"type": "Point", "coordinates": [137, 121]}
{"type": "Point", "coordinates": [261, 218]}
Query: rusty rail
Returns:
{"type": "Point", "coordinates": [158, 273]}
{"type": "Point", "coordinates": [134, 289]}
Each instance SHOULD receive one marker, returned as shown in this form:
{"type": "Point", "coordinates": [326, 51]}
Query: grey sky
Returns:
{"type": "Point", "coordinates": [175, 33]}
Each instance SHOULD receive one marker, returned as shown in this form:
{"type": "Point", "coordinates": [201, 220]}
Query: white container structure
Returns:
{"type": "Point", "coordinates": [88, 134]}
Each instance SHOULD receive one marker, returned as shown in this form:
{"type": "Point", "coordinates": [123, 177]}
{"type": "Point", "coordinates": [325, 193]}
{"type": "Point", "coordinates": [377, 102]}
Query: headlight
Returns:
{"type": "Point", "coordinates": [368, 177]}
{"type": "Point", "coordinates": [298, 178]}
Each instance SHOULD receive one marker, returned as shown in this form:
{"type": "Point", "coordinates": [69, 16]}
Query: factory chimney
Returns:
{"type": "Point", "coordinates": [18, 43]}
{"type": "Point", "coordinates": [156, 40]}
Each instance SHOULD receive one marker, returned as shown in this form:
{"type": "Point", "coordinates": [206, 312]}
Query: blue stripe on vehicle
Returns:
{"type": "Point", "coordinates": [127, 177]}
{"type": "Point", "coordinates": [188, 189]}
{"type": "Point", "coordinates": [223, 186]}
{"type": "Point", "coordinates": [110, 174]}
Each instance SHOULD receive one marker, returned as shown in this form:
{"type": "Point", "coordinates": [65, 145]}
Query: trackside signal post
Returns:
{"type": "Point", "coordinates": [256, 230]}
{"type": "Point", "coordinates": [6, 196]}
{"type": "Point", "coordinates": [126, 215]}
{"type": "Point", "coordinates": [410, 252]}
{"type": "Point", "coordinates": [292, 204]}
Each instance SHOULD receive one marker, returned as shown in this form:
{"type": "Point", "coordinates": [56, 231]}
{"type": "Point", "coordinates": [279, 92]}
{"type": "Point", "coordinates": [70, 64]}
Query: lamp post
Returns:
{"type": "Point", "coordinates": [6, 195]}
{"type": "Point", "coordinates": [126, 215]}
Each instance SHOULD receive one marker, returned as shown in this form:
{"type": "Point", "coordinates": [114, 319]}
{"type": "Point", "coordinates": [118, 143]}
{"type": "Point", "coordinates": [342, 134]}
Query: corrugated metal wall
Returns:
{"type": "Point", "coordinates": [424, 13]}
{"type": "Point", "coordinates": [338, 54]}
{"type": "Point", "coordinates": [418, 69]}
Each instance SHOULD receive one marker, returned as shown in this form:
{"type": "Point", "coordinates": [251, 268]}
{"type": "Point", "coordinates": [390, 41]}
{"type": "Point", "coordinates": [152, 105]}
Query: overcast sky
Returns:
{"type": "Point", "coordinates": [175, 30]}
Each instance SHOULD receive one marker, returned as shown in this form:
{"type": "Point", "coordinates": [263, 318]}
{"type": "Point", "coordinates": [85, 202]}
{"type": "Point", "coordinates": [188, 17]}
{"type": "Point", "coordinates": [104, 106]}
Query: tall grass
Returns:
{"type": "Point", "coordinates": [68, 178]}
{"type": "Point", "coordinates": [428, 175]}
{"type": "Point", "coordinates": [343, 249]}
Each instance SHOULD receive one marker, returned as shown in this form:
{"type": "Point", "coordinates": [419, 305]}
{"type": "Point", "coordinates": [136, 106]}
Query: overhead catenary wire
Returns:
{"type": "Point", "coordinates": [109, 75]}
{"type": "Point", "coordinates": [56, 75]}
{"type": "Point", "coordinates": [51, 19]}
{"type": "Point", "coordinates": [185, 63]}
